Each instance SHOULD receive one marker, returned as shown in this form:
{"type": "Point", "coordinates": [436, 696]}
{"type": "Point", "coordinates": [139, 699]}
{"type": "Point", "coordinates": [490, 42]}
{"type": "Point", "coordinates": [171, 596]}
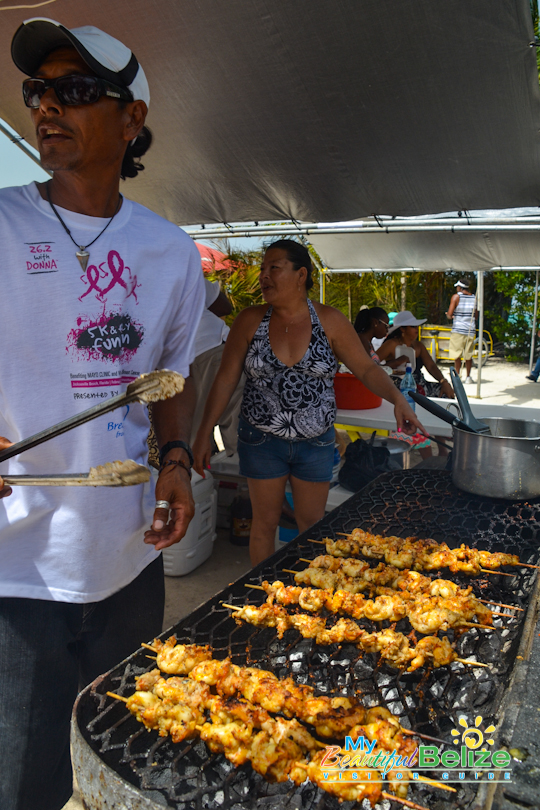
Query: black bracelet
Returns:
{"type": "Point", "coordinates": [175, 463]}
{"type": "Point", "coordinates": [171, 445]}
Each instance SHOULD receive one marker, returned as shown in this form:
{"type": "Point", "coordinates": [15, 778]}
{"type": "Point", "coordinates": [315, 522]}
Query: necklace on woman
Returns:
{"type": "Point", "coordinates": [82, 254]}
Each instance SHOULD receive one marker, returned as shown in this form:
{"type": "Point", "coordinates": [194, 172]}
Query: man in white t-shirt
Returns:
{"type": "Point", "coordinates": [209, 343]}
{"type": "Point", "coordinates": [96, 290]}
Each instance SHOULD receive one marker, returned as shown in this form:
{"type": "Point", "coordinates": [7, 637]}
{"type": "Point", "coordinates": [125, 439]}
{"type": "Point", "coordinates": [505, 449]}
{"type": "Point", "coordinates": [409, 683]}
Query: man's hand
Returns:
{"type": "Point", "coordinates": [174, 486]}
{"type": "Point", "coordinates": [406, 419]}
{"type": "Point", "coordinates": [4, 491]}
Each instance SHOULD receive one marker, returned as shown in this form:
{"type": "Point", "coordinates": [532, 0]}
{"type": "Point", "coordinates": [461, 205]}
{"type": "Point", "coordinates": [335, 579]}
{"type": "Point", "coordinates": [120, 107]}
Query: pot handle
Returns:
{"type": "Point", "coordinates": [433, 408]}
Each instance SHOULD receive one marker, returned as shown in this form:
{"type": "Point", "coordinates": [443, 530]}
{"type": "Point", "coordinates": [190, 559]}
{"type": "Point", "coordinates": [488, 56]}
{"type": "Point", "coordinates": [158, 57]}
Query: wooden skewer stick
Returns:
{"type": "Point", "coordinates": [528, 565]}
{"type": "Point", "coordinates": [433, 783]}
{"type": "Point", "coordinates": [303, 559]}
{"type": "Point", "coordinates": [481, 626]}
{"type": "Point", "coordinates": [319, 542]}
{"type": "Point", "coordinates": [500, 604]}
{"type": "Point", "coordinates": [289, 571]}
{"type": "Point", "coordinates": [257, 587]}
{"type": "Point", "coordinates": [118, 697]}
{"type": "Point", "coordinates": [411, 733]}
{"type": "Point", "coordinates": [148, 647]}
{"type": "Point", "coordinates": [472, 663]}
{"type": "Point", "coordinates": [151, 657]}
{"type": "Point", "coordinates": [234, 607]}
{"type": "Point", "coordinates": [497, 573]}
{"type": "Point", "coordinates": [405, 802]}
{"type": "Point", "coordinates": [485, 601]}
{"type": "Point", "coordinates": [345, 534]}
{"type": "Point", "coordinates": [199, 728]}
{"type": "Point", "coordinates": [498, 613]}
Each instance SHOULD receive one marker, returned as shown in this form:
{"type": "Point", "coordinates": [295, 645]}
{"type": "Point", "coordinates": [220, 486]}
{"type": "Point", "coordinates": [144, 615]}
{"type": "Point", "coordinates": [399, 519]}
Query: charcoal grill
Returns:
{"type": "Point", "coordinates": [120, 764]}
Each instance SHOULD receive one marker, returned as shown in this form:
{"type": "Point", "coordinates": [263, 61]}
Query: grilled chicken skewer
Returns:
{"type": "Point", "coordinates": [331, 717]}
{"type": "Point", "coordinates": [277, 751]}
{"type": "Point", "coordinates": [395, 648]}
{"type": "Point", "coordinates": [420, 555]}
{"type": "Point", "coordinates": [174, 706]}
{"type": "Point", "coordinates": [427, 614]}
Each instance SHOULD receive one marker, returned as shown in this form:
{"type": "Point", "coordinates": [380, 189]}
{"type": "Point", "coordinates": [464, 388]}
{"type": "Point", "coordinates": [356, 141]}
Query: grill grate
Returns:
{"type": "Point", "coordinates": [423, 503]}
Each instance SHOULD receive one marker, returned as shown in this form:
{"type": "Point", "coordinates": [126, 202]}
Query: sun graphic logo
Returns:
{"type": "Point", "coordinates": [472, 737]}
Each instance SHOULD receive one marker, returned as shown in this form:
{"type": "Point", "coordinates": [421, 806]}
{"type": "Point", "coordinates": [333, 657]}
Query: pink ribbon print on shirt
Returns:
{"type": "Point", "coordinates": [114, 335]}
{"type": "Point", "coordinates": [115, 271]}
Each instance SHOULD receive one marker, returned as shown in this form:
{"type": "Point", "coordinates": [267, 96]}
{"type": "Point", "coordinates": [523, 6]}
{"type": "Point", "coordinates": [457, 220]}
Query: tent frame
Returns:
{"type": "Point", "coordinates": [452, 224]}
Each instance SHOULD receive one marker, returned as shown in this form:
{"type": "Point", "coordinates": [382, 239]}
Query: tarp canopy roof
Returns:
{"type": "Point", "coordinates": [466, 248]}
{"type": "Point", "coordinates": [312, 110]}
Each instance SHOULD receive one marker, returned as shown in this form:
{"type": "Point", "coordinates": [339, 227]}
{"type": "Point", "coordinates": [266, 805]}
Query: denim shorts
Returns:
{"type": "Point", "coordinates": [263, 455]}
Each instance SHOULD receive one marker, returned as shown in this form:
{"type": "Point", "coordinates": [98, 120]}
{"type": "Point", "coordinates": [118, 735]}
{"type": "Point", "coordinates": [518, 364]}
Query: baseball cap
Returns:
{"type": "Point", "coordinates": [462, 283]}
{"type": "Point", "coordinates": [405, 318]}
{"type": "Point", "coordinates": [106, 56]}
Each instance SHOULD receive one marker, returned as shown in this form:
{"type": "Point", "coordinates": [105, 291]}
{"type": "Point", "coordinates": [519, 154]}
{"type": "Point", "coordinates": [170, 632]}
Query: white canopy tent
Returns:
{"type": "Point", "coordinates": [477, 242]}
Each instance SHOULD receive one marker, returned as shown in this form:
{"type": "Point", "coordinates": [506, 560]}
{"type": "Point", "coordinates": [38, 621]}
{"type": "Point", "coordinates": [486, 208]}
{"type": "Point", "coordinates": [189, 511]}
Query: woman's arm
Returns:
{"type": "Point", "coordinates": [348, 348]}
{"type": "Point", "coordinates": [434, 370]}
{"type": "Point", "coordinates": [386, 352]}
{"type": "Point", "coordinates": [226, 380]}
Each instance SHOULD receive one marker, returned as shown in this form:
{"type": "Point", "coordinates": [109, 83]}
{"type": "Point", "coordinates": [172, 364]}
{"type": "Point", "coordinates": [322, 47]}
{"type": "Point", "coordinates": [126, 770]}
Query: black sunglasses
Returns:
{"type": "Point", "coordinates": [72, 90]}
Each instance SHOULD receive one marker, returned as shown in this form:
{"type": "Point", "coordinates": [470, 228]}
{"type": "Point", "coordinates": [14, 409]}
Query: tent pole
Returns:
{"type": "Point", "coordinates": [480, 305]}
{"type": "Point", "coordinates": [17, 140]}
{"type": "Point", "coordinates": [533, 332]}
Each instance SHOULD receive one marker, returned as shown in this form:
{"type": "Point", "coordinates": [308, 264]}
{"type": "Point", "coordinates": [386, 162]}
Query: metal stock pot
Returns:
{"type": "Point", "coordinates": [502, 464]}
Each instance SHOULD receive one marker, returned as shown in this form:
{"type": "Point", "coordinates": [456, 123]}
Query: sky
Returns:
{"type": "Point", "coordinates": [16, 169]}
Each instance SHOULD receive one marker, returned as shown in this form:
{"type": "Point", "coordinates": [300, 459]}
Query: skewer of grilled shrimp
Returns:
{"type": "Point", "coordinates": [357, 576]}
{"type": "Point", "coordinates": [427, 614]}
{"type": "Point", "coordinates": [395, 648]}
{"type": "Point", "coordinates": [420, 555]}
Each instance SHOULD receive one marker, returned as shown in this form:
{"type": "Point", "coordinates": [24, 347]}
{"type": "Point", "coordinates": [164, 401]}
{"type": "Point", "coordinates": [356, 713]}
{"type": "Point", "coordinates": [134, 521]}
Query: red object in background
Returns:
{"type": "Point", "coordinates": [211, 259]}
{"type": "Point", "coordinates": [352, 394]}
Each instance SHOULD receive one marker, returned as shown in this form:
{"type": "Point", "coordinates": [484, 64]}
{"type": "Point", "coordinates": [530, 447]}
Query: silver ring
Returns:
{"type": "Point", "coordinates": [163, 505]}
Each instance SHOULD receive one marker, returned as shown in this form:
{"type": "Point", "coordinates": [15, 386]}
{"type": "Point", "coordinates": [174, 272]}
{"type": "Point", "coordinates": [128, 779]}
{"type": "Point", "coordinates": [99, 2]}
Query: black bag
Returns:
{"type": "Point", "coordinates": [363, 463]}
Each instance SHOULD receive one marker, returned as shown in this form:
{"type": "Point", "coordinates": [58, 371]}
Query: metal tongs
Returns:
{"type": "Point", "coordinates": [118, 474]}
{"type": "Point", "coordinates": [147, 388]}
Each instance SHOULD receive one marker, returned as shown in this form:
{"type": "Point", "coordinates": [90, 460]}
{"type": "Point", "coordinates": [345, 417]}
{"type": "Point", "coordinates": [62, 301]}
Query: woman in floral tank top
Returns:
{"type": "Point", "coordinates": [289, 349]}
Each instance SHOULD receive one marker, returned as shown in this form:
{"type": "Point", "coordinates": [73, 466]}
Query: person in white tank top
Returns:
{"type": "Point", "coordinates": [462, 311]}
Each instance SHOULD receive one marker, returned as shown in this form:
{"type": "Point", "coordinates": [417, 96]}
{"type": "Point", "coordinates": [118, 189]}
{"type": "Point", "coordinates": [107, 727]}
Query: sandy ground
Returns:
{"type": "Point", "coordinates": [503, 383]}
